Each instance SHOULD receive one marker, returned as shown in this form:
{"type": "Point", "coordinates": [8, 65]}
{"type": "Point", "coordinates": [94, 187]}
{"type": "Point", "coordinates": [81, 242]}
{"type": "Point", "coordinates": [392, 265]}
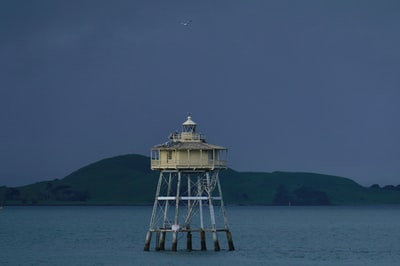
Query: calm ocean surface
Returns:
{"type": "Point", "coordinates": [262, 236]}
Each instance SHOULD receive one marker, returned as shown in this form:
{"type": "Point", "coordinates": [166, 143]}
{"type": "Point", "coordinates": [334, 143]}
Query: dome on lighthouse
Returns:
{"type": "Point", "coordinates": [189, 125]}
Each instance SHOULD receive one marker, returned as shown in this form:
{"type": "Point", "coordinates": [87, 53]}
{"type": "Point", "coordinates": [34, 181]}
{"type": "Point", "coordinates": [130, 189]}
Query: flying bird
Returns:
{"type": "Point", "coordinates": [185, 23]}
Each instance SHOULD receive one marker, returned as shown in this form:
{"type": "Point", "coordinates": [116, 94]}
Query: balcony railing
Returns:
{"type": "Point", "coordinates": [186, 164]}
{"type": "Point", "coordinates": [188, 136]}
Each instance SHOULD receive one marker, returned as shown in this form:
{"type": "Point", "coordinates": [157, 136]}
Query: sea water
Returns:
{"type": "Point", "coordinates": [262, 235]}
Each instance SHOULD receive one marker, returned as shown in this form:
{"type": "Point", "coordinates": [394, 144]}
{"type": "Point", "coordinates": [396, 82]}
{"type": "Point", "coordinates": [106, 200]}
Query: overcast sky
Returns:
{"type": "Point", "coordinates": [284, 85]}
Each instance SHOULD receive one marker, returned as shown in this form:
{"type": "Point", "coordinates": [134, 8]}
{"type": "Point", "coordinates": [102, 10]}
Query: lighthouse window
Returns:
{"type": "Point", "coordinates": [155, 155]}
{"type": "Point", "coordinates": [210, 155]}
{"type": "Point", "coordinates": [169, 155]}
{"type": "Point", "coordinates": [189, 128]}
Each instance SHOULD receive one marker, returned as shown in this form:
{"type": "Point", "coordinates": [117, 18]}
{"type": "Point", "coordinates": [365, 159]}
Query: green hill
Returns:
{"type": "Point", "coordinates": [127, 179]}
{"type": "Point", "coordinates": [281, 188]}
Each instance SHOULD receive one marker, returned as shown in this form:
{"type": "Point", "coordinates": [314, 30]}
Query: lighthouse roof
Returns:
{"type": "Point", "coordinates": [189, 122]}
{"type": "Point", "coordinates": [178, 145]}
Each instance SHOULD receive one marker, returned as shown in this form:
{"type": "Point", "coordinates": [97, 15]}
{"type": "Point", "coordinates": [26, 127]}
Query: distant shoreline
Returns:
{"type": "Point", "coordinates": [127, 180]}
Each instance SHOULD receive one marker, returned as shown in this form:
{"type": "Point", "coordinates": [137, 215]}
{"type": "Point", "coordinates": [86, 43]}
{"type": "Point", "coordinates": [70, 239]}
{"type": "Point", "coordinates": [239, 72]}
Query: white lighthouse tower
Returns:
{"type": "Point", "coordinates": [188, 196]}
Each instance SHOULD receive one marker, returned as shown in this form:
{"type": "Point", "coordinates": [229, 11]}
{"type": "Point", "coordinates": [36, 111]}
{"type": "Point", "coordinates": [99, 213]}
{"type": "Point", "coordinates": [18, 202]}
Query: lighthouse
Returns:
{"type": "Point", "coordinates": [188, 202]}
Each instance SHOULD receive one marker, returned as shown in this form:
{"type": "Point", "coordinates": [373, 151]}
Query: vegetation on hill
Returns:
{"type": "Point", "coordinates": [127, 179]}
{"type": "Point", "coordinates": [291, 188]}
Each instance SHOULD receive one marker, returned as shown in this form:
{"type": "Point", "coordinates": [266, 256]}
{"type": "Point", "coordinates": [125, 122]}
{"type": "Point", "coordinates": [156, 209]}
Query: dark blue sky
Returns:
{"type": "Point", "coordinates": [285, 85]}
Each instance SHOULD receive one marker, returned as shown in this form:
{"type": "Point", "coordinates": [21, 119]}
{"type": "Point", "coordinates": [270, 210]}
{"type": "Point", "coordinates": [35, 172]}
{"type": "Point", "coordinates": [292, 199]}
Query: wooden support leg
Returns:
{"type": "Point", "coordinates": [174, 241]}
{"type": "Point", "coordinates": [162, 241]}
{"type": "Point", "coordinates": [230, 241]}
{"type": "Point", "coordinates": [147, 242]}
{"type": "Point", "coordinates": [189, 241]}
{"type": "Point", "coordinates": [216, 243]}
{"type": "Point", "coordinates": [203, 240]}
